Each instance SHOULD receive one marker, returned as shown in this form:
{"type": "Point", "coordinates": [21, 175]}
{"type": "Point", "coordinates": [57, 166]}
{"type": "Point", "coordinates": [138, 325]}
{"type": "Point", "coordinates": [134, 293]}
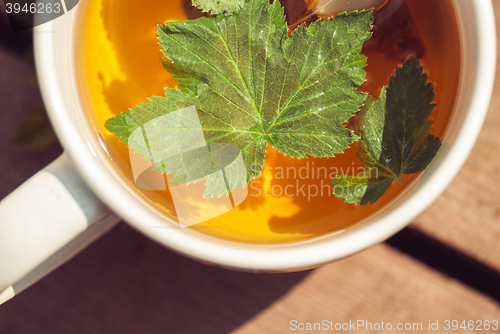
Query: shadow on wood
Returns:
{"type": "Point", "coordinates": [125, 283]}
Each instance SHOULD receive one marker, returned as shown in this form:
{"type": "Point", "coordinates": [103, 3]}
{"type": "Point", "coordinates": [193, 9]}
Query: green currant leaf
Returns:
{"type": "Point", "coordinates": [395, 138]}
{"type": "Point", "coordinates": [219, 6]}
{"type": "Point", "coordinates": [250, 85]}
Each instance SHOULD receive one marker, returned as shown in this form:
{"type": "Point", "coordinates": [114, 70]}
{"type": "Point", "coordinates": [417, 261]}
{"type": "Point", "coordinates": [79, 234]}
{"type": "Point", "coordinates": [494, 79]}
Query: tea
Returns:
{"type": "Point", "coordinates": [292, 200]}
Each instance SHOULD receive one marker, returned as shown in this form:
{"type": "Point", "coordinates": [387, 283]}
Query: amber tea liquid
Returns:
{"type": "Point", "coordinates": [119, 67]}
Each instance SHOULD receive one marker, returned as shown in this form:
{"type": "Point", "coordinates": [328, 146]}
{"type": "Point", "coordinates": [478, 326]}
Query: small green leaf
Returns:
{"type": "Point", "coordinates": [410, 147]}
{"type": "Point", "coordinates": [250, 85]}
{"type": "Point", "coordinates": [395, 136]}
{"type": "Point", "coordinates": [36, 132]}
{"type": "Point", "coordinates": [360, 188]}
{"type": "Point", "coordinates": [219, 6]}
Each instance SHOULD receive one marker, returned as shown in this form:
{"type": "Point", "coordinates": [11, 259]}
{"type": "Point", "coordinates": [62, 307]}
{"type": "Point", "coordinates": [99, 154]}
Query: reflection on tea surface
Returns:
{"type": "Point", "coordinates": [292, 199]}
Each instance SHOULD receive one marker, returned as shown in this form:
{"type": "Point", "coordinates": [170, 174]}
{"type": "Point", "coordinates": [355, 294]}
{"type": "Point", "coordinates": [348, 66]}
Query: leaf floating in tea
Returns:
{"type": "Point", "coordinates": [219, 6]}
{"type": "Point", "coordinates": [395, 136]}
{"type": "Point", "coordinates": [252, 85]}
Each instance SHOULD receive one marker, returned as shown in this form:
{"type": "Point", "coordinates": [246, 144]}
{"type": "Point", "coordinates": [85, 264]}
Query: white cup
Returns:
{"type": "Point", "coordinates": [59, 211]}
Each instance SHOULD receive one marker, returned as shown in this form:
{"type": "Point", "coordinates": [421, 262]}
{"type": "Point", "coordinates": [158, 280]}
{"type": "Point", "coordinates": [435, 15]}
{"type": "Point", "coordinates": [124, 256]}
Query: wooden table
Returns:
{"type": "Point", "coordinates": [445, 267]}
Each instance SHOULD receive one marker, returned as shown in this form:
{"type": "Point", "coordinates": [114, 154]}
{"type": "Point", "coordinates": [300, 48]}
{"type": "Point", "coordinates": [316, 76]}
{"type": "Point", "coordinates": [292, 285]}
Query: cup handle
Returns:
{"type": "Point", "coordinates": [45, 222]}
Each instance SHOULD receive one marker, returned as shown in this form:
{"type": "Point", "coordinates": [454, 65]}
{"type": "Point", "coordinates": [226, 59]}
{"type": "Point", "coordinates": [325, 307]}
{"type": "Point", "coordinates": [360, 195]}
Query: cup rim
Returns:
{"type": "Point", "coordinates": [248, 257]}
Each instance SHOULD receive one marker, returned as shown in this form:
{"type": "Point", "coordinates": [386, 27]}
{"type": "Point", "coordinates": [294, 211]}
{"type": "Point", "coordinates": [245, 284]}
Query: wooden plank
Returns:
{"type": "Point", "coordinates": [125, 283]}
{"type": "Point", "coordinates": [374, 286]}
{"type": "Point", "coordinates": [467, 215]}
